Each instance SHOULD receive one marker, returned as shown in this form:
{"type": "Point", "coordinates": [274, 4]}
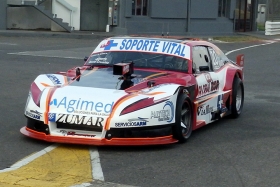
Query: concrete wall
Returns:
{"type": "Point", "coordinates": [162, 9]}
{"type": "Point", "coordinates": [204, 9]}
{"type": "Point", "coordinates": [26, 18]}
{"type": "Point", "coordinates": [3, 15]}
{"type": "Point", "coordinates": [62, 12]}
{"type": "Point", "coordinates": [14, 2]}
{"type": "Point", "coordinates": [165, 16]}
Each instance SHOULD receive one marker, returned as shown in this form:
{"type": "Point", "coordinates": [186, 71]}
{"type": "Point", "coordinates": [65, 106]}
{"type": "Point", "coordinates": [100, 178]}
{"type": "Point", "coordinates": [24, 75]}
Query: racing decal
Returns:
{"type": "Point", "coordinates": [148, 45]}
{"type": "Point", "coordinates": [73, 133]}
{"type": "Point", "coordinates": [79, 106]}
{"type": "Point", "coordinates": [34, 114]}
{"type": "Point", "coordinates": [207, 83]}
{"type": "Point", "coordinates": [147, 90]}
{"type": "Point", "coordinates": [77, 119]}
{"type": "Point", "coordinates": [123, 99]}
{"type": "Point", "coordinates": [141, 104]}
{"type": "Point", "coordinates": [166, 114]}
{"type": "Point", "coordinates": [100, 60]}
{"type": "Point", "coordinates": [208, 88]}
{"type": "Point", "coordinates": [137, 122]}
{"type": "Point", "coordinates": [108, 44]}
{"type": "Point", "coordinates": [44, 84]}
{"type": "Point", "coordinates": [204, 110]}
{"type": "Point", "coordinates": [54, 79]}
{"type": "Point", "coordinates": [139, 79]}
{"type": "Point", "coordinates": [220, 104]}
{"type": "Point", "coordinates": [47, 106]}
{"type": "Point", "coordinates": [208, 77]}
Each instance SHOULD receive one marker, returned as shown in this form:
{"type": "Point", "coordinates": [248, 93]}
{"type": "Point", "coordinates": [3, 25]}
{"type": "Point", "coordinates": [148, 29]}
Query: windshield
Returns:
{"type": "Point", "coordinates": [140, 59]}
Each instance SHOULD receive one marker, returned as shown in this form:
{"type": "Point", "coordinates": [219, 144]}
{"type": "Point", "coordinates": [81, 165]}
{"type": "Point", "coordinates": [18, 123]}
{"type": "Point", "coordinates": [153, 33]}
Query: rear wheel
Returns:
{"type": "Point", "coordinates": [237, 97]}
{"type": "Point", "coordinates": [183, 120]}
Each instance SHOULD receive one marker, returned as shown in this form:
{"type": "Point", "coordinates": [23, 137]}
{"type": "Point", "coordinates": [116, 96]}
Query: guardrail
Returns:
{"type": "Point", "coordinates": [272, 28]}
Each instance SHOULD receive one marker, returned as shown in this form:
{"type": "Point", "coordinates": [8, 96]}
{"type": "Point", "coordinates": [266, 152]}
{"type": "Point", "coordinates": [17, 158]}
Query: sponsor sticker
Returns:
{"type": "Point", "coordinates": [156, 46]}
{"type": "Point", "coordinates": [166, 114]}
{"type": "Point", "coordinates": [52, 117]}
{"type": "Point", "coordinates": [78, 120]}
{"type": "Point", "coordinates": [220, 104]}
{"type": "Point", "coordinates": [79, 106]}
{"type": "Point", "coordinates": [137, 122]}
{"type": "Point", "coordinates": [54, 79]}
{"type": "Point", "coordinates": [73, 133]}
{"type": "Point", "coordinates": [34, 114]}
{"type": "Point", "coordinates": [100, 60]}
{"type": "Point", "coordinates": [209, 87]}
{"type": "Point", "coordinates": [204, 110]}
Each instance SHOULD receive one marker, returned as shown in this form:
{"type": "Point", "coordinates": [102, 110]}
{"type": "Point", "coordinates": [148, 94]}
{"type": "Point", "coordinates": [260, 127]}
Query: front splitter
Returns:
{"type": "Point", "coordinates": [98, 141]}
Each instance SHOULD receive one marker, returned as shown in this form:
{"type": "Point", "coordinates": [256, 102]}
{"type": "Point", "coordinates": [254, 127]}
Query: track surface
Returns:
{"type": "Point", "coordinates": [241, 152]}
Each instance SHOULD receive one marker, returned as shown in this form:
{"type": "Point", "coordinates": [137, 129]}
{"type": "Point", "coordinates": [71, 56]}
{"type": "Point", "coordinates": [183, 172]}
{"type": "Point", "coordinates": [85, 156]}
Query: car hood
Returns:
{"type": "Point", "coordinates": [97, 91]}
{"type": "Point", "coordinates": [104, 78]}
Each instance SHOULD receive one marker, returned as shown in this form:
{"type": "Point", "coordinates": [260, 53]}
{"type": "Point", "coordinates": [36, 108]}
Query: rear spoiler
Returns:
{"type": "Point", "coordinates": [240, 60]}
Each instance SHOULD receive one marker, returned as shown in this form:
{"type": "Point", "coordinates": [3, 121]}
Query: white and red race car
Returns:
{"type": "Point", "coordinates": [136, 91]}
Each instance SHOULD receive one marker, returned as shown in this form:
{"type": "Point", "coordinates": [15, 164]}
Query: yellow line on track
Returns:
{"type": "Point", "coordinates": [65, 165]}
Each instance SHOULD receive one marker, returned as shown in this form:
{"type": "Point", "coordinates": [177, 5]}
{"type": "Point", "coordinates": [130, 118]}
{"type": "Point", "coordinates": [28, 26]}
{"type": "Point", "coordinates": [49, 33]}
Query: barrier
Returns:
{"type": "Point", "coordinates": [272, 28]}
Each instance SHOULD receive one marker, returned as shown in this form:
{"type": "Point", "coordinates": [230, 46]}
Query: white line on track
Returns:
{"type": "Point", "coordinates": [29, 159]}
{"type": "Point", "coordinates": [271, 42]}
{"type": "Point", "coordinates": [7, 43]}
{"type": "Point", "coordinates": [96, 169]}
{"type": "Point", "coordinates": [29, 54]}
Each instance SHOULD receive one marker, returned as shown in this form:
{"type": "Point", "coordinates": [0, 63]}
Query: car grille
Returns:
{"type": "Point", "coordinates": [139, 132]}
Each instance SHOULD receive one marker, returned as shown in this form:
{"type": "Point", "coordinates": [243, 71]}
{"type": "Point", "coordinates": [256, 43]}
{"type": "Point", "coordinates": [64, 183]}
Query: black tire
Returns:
{"type": "Point", "coordinates": [237, 97]}
{"type": "Point", "coordinates": [182, 128]}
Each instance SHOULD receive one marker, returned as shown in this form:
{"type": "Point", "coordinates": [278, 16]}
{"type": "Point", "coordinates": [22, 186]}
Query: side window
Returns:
{"type": "Point", "coordinates": [201, 59]}
{"type": "Point", "coordinates": [218, 58]}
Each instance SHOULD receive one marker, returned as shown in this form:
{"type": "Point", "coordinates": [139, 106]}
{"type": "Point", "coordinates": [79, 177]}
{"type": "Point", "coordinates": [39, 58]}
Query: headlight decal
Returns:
{"type": "Point", "coordinates": [138, 105]}
{"type": "Point", "coordinates": [35, 93]}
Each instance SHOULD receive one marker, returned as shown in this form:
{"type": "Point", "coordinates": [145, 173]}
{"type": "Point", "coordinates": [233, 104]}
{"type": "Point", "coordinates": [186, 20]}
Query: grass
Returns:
{"type": "Point", "coordinates": [261, 27]}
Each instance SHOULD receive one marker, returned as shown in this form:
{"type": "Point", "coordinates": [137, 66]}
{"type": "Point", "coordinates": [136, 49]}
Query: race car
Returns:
{"type": "Point", "coordinates": [136, 91]}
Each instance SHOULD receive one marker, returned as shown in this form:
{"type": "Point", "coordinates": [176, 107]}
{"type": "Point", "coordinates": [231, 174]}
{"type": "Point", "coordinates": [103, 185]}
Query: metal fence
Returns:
{"type": "Point", "coordinates": [273, 10]}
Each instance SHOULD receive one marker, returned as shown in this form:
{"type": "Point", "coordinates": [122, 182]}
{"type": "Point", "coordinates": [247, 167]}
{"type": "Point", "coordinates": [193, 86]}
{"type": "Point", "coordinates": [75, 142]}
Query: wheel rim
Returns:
{"type": "Point", "coordinates": [239, 97]}
{"type": "Point", "coordinates": [185, 120]}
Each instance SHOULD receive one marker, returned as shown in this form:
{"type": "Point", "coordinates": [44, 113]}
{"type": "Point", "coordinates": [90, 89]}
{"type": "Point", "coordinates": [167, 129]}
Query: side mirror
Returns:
{"type": "Point", "coordinates": [78, 74]}
{"type": "Point", "coordinates": [203, 68]}
{"type": "Point", "coordinates": [240, 60]}
{"type": "Point", "coordinates": [86, 58]}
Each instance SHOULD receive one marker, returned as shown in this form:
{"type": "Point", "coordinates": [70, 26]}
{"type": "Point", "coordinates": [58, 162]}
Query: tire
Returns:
{"type": "Point", "coordinates": [237, 97]}
{"type": "Point", "coordinates": [182, 128]}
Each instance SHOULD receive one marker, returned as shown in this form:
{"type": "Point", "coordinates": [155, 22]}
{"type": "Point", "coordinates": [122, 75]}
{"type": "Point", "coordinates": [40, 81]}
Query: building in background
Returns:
{"type": "Point", "coordinates": [176, 17]}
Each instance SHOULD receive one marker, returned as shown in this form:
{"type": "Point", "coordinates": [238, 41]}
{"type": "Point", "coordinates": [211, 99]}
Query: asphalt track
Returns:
{"type": "Point", "coordinates": [241, 152]}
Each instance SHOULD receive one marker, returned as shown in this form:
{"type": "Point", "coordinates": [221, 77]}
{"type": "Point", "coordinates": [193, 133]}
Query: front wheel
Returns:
{"type": "Point", "coordinates": [183, 119]}
{"type": "Point", "coordinates": [237, 97]}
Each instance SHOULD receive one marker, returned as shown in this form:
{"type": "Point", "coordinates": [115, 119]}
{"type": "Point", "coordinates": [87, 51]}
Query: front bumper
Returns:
{"type": "Point", "coordinates": [98, 141]}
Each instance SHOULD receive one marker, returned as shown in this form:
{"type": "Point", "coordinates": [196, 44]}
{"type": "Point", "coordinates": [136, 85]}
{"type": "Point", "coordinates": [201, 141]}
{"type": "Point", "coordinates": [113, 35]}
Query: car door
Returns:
{"type": "Point", "coordinates": [207, 79]}
{"type": "Point", "coordinates": [208, 84]}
